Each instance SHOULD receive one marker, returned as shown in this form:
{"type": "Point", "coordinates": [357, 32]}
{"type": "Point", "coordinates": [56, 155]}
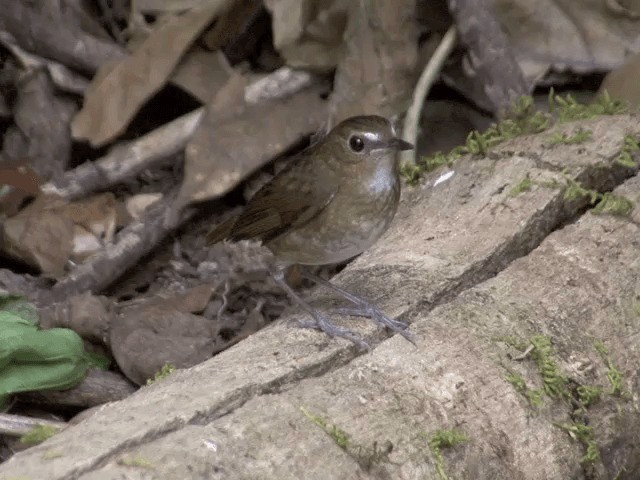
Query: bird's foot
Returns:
{"type": "Point", "coordinates": [363, 308]}
{"type": "Point", "coordinates": [368, 310]}
{"type": "Point", "coordinates": [322, 323]}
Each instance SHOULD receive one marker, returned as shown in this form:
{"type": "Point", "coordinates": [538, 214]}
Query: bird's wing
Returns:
{"type": "Point", "coordinates": [221, 232]}
{"type": "Point", "coordinates": [292, 198]}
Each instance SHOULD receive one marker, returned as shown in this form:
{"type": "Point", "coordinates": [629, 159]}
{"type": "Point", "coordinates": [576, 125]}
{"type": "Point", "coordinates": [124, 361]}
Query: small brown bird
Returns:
{"type": "Point", "coordinates": [330, 203]}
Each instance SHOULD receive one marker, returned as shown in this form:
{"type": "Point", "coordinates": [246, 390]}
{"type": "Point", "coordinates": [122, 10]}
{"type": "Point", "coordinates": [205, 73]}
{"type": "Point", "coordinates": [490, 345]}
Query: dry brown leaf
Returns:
{"type": "Point", "coordinates": [94, 221]}
{"type": "Point", "coordinates": [226, 149]}
{"type": "Point", "coordinates": [40, 236]}
{"type": "Point", "coordinates": [231, 23]}
{"type": "Point", "coordinates": [136, 205]}
{"type": "Point", "coordinates": [622, 83]}
{"type": "Point", "coordinates": [18, 182]}
{"type": "Point", "coordinates": [114, 99]}
{"type": "Point", "coordinates": [96, 214]}
{"type": "Point", "coordinates": [230, 98]}
{"type": "Point", "coordinates": [554, 39]}
{"type": "Point", "coordinates": [41, 131]}
{"type": "Point", "coordinates": [309, 33]}
{"type": "Point", "coordinates": [50, 231]}
{"type": "Point", "coordinates": [582, 36]}
{"type": "Point", "coordinates": [378, 71]}
{"type": "Point", "coordinates": [201, 73]}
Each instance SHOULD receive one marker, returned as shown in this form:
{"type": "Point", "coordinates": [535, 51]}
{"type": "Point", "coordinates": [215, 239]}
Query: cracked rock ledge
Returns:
{"type": "Point", "coordinates": [481, 271]}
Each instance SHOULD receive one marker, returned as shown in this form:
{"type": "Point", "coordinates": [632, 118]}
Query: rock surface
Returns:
{"type": "Point", "coordinates": [478, 269]}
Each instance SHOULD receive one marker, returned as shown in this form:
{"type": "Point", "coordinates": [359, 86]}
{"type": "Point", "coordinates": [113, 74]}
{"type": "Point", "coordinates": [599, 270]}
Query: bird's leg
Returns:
{"type": "Point", "coordinates": [321, 322]}
{"type": "Point", "coordinates": [362, 307]}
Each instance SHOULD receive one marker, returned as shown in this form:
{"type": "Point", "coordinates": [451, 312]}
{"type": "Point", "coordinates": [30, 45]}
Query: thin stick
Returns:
{"type": "Point", "coordinates": [128, 160]}
{"type": "Point", "coordinates": [131, 244]}
{"type": "Point", "coordinates": [18, 425]}
{"type": "Point", "coordinates": [427, 79]}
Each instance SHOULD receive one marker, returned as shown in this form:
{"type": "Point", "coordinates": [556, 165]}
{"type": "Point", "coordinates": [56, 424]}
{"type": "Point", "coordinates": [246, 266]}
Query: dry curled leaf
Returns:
{"type": "Point", "coordinates": [225, 150]}
{"type": "Point", "coordinates": [50, 231]}
{"type": "Point", "coordinates": [622, 83]}
{"type": "Point", "coordinates": [136, 205]}
{"type": "Point", "coordinates": [583, 36]}
{"type": "Point", "coordinates": [201, 73]}
{"type": "Point", "coordinates": [120, 89]}
{"type": "Point", "coordinates": [40, 236]}
{"type": "Point", "coordinates": [18, 182]}
{"type": "Point", "coordinates": [41, 131]}
{"type": "Point", "coordinates": [94, 224]}
{"type": "Point", "coordinates": [309, 33]}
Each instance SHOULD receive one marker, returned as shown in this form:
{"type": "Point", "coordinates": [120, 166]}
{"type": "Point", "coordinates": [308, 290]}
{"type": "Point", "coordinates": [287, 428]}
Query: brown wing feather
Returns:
{"type": "Point", "coordinates": [293, 197]}
{"type": "Point", "coordinates": [221, 231]}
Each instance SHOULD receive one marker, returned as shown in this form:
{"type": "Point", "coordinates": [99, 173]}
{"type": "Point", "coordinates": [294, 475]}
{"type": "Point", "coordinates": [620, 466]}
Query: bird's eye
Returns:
{"type": "Point", "coordinates": [356, 143]}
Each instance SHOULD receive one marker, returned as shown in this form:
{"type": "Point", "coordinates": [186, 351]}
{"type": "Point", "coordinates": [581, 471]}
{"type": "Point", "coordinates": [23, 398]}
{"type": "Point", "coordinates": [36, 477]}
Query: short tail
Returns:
{"type": "Point", "coordinates": [221, 232]}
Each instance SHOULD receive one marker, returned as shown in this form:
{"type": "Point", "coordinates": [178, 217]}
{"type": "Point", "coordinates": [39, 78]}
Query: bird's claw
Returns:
{"type": "Point", "coordinates": [371, 311]}
{"type": "Point", "coordinates": [323, 324]}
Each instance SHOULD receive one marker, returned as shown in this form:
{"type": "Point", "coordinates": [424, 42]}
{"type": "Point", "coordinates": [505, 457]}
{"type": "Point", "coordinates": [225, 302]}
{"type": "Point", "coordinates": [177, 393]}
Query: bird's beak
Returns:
{"type": "Point", "coordinates": [400, 144]}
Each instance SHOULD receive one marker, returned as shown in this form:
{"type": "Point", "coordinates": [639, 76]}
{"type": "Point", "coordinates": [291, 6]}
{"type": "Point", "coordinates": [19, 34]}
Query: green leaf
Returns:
{"type": "Point", "coordinates": [32, 359]}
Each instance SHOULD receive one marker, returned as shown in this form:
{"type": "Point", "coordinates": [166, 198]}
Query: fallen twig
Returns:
{"type": "Point", "coordinates": [131, 244]}
{"type": "Point", "coordinates": [63, 43]}
{"type": "Point", "coordinates": [64, 78]}
{"type": "Point", "coordinates": [128, 160]}
{"type": "Point", "coordinates": [18, 425]}
{"type": "Point", "coordinates": [427, 78]}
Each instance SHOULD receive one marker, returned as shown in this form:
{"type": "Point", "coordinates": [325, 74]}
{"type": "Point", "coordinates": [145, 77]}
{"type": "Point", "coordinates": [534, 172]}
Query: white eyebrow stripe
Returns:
{"type": "Point", "coordinates": [374, 137]}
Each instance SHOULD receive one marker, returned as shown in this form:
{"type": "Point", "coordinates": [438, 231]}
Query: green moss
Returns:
{"type": "Point", "coordinates": [533, 396]}
{"type": "Point", "coordinates": [38, 434]}
{"type": "Point", "coordinates": [136, 461]}
{"type": "Point", "coordinates": [568, 109]}
{"type": "Point", "coordinates": [615, 380]}
{"type": "Point", "coordinates": [522, 119]}
{"type": "Point", "coordinates": [338, 435]}
{"type": "Point", "coordinates": [581, 136]}
{"type": "Point", "coordinates": [583, 434]}
{"type": "Point", "coordinates": [513, 341]}
{"type": "Point", "coordinates": [604, 203]}
{"type": "Point", "coordinates": [630, 146]}
{"type": "Point", "coordinates": [52, 454]}
{"type": "Point", "coordinates": [523, 185]}
{"type": "Point", "coordinates": [442, 439]}
{"type": "Point", "coordinates": [412, 173]}
{"type": "Point", "coordinates": [552, 184]}
{"type": "Point", "coordinates": [554, 383]}
{"type": "Point", "coordinates": [163, 373]}
{"type": "Point", "coordinates": [636, 308]}
{"type": "Point", "coordinates": [615, 377]}
{"type": "Point", "coordinates": [611, 204]}
{"type": "Point", "coordinates": [601, 348]}
{"type": "Point", "coordinates": [588, 395]}
{"type": "Point", "coordinates": [575, 191]}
